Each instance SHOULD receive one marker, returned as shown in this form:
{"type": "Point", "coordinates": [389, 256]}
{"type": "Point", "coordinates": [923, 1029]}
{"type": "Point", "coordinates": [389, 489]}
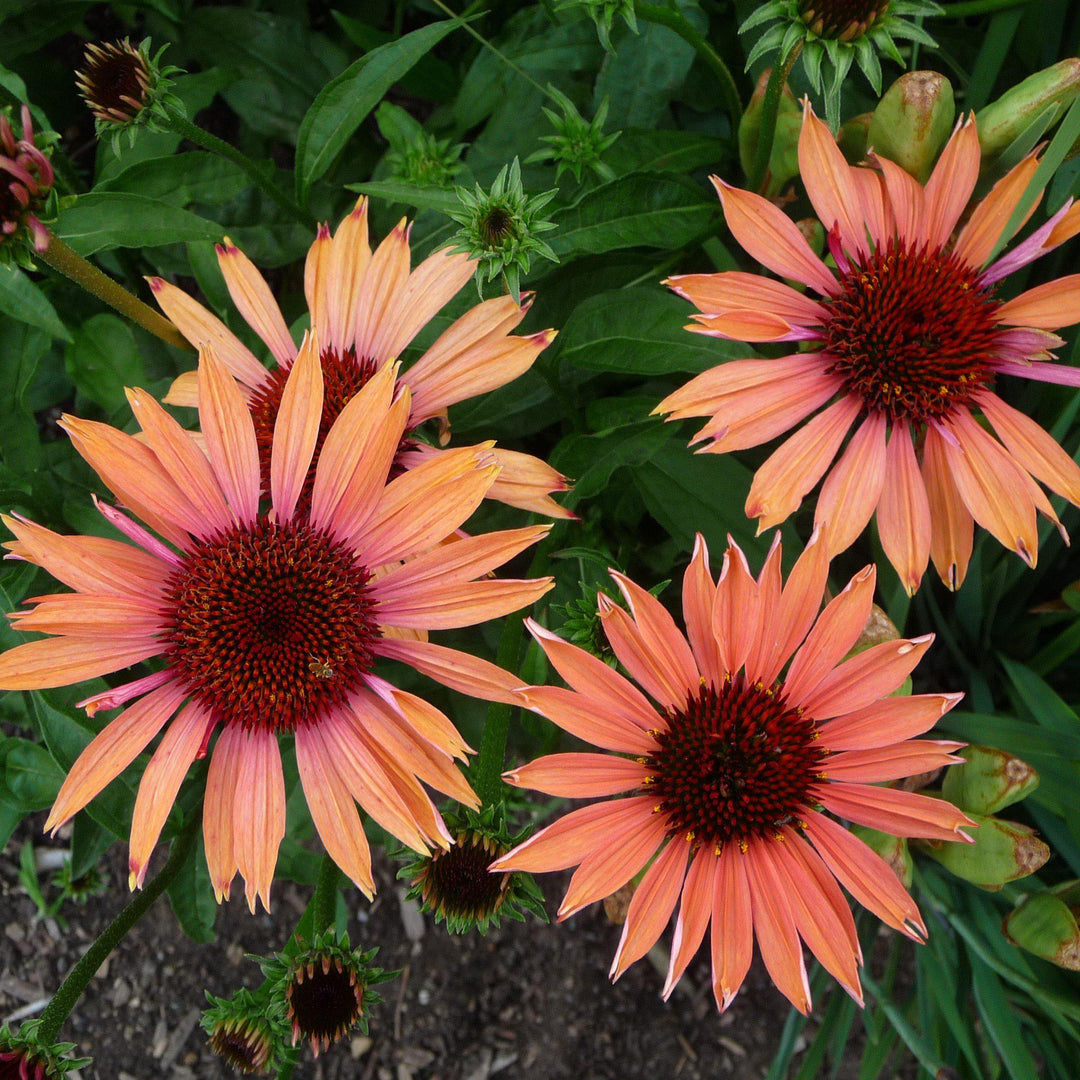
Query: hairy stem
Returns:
{"type": "Point", "coordinates": [326, 893]}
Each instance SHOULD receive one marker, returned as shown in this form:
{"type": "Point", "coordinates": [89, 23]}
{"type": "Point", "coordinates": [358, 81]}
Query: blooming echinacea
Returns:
{"type": "Point", "coordinates": [366, 307]}
{"type": "Point", "coordinates": [733, 774]}
{"type": "Point", "coordinates": [268, 621]}
{"type": "Point", "coordinates": [904, 340]}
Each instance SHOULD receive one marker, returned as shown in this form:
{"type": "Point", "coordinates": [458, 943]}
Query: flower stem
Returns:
{"type": "Point", "coordinates": [979, 7]}
{"type": "Point", "coordinates": [65, 261]}
{"type": "Point", "coordinates": [770, 108]}
{"type": "Point", "coordinates": [182, 126]}
{"type": "Point", "coordinates": [56, 1012]}
{"type": "Point", "coordinates": [673, 20]}
{"type": "Point", "coordinates": [326, 893]}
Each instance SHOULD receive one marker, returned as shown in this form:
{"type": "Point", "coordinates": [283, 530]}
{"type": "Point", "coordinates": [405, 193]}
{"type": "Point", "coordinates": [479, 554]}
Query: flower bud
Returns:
{"type": "Point", "coordinates": [893, 849]}
{"type": "Point", "coordinates": [913, 120]}
{"type": "Point", "coordinates": [853, 138]}
{"type": "Point", "coordinates": [988, 781]}
{"type": "Point", "coordinates": [1002, 121]}
{"type": "Point", "coordinates": [1003, 851]}
{"type": "Point", "coordinates": [1045, 924]}
{"type": "Point", "coordinates": [784, 157]}
{"type": "Point", "coordinates": [26, 191]}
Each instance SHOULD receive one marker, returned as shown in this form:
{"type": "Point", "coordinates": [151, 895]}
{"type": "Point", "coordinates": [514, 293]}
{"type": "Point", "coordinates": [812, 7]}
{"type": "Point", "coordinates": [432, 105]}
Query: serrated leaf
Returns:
{"type": "Point", "coordinates": [25, 302]}
{"type": "Point", "coordinates": [345, 101]}
{"type": "Point", "coordinates": [123, 220]}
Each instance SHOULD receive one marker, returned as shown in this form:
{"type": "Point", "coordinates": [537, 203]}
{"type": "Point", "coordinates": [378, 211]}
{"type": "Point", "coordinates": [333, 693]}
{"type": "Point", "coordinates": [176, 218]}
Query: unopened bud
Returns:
{"type": "Point", "coordinates": [784, 157]}
{"type": "Point", "coordinates": [1003, 851]}
{"type": "Point", "coordinates": [1002, 121]}
{"type": "Point", "coordinates": [1045, 924]}
{"type": "Point", "coordinates": [988, 781]}
{"type": "Point", "coordinates": [853, 137]}
{"type": "Point", "coordinates": [893, 849]}
{"type": "Point", "coordinates": [913, 120]}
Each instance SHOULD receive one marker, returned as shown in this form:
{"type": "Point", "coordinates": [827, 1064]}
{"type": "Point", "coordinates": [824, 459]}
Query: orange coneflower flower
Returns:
{"type": "Point", "coordinates": [270, 622]}
{"type": "Point", "coordinates": [366, 307]}
{"type": "Point", "coordinates": [731, 775]}
{"type": "Point", "coordinates": [907, 338]}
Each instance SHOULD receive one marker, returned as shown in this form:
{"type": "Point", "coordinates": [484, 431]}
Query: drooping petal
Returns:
{"type": "Point", "coordinates": [90, 615]}
{"type": "Point", "coordinates": [222, 792]}
{"type": "Point", "coordinates": [732, 944]}
{"type": "Point", "coordinates": [694, 913]}
{"type": "Point", "coordinates": [853, 487]}
{"type": "Point", "coordinates": [951, 524]}
{"type": "Point", "coordinates": [891, 762]}
{"type": "Point", "coordinates": [735, 290]}
{"type": "Point", "coordinates": [259, 815]}
{"type": "Point", "coordinates": [593, 721]}
{"type": "Point", "coordinates": [451, 667]}
{"type": "Point", "coordinates": [460, 603]}
{"type": "Point", "coordinates": [527, 482]}
{"type": "Point", "coordinates": [903, 512]}
{"type": "Point", "coordinates": [61, 661]}
{"type": "Point", "coordinates": [255, 301]}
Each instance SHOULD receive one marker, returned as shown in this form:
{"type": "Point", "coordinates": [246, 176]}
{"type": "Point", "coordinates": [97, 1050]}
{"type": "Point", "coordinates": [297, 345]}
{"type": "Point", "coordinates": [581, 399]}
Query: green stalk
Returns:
{"type": "Point", "coordinates": [182, 126]}
{"type": "Point", "coordinates": [326, 893]}
{"type": "Point", "coordinates": [979, 7]}
{"type": "Point", "coordinates": [770, 108]}
{"type": "Point", "coordinates": [65, 261]}
{"type": "Point", "coordinates": [674, 20]}
{"type": "Point", "coordinates": [52, 1019]}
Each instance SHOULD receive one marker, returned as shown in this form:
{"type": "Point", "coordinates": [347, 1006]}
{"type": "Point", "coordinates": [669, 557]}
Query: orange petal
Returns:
{"type": "Point", "coordinates": [316, 286]}
{"type": "Point", "coordinates": [698, 592]}
{"type": "Point", "coordinates": [737, 615]}
{"type": "Point", "coordinates": [526, 482]}
{"type": "Point", "coordinates": [891, 762]}
{"type": "Point", "coordinates": [591, 720]}
{"type": "Point", "coordinates": [258, 814]}
{"type": "Point", "coordinates": [424, 721]}
{"type": "Point", "coordinates": [452, 605]}
{"type": "Point", "coordinates": [853, 487]}
{"type": "Point", "coordinates": [979, 236]}
{"type": "Point", "coordinates": [255, 302]}
{"type": "Point", "coordinates": [734, 290]}
{"type": "Point", "coordinates": [184, 390]}
{"type": "Point", "coordinates": [899, 813]}
{"type": "Point", "coordinates": [221, 794]}
{"type": "Point", "coordinates": [906, 201]}
{"type": "Point", "coordinates": [61, 661]}
{"type": "Point", "coordinates": [903, 513]}
{"type": "Point", "coordinates": [952, 526]}
{"type": "Point", "coordinates": [886, 722]}
{"type": "Point", "coordinates": [1046, 307]}
{"type": "Point", "coordinates": [451, 667]}
{"type": "Point", "coordinates": [296, 429]}
{"type": "Point", "coordinates": [346, 266]}
{"type": "Point", "coordinates": [694, 913]}
{"type": "Point", "coordinates": [951, 183]}
{"type": "Point", "coordinates": [579, 776]}
{"type": "Point", "coordinates": [379, 288]}
{"type": "Point", "coordinates": [90, 615]}
{"type": "Point", "coordinates": [732, 944]}
{"type": "Point", "coordinates": [828, 180]}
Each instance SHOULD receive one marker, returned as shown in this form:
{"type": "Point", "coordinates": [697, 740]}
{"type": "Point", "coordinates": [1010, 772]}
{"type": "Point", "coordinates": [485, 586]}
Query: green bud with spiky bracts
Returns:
{"type": "Point", "coordinates": [577, 143]}
{"type": "Point", "coordinates": [988, 781]}
{"type": "Point", "coordinates": [604, 13]}
{"type": "Point", "coordinates": [416, 156]}
{"type": "Point", "coordinates": [913, 121]}
{"type": "Point", "coordinates": [1045, 923]}
{"type": "Point", "coordinates": [23, 1056]}
{"type": "Point", "coordinates": [243, 1032]}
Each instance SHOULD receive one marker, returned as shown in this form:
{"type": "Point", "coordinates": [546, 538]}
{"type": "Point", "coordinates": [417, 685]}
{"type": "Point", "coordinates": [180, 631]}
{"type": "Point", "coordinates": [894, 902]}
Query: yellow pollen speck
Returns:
{"type": "Point", "coordinates": [778, 836]}
{"type": "Point", "coordinates": [653, 733]}
{"type": "Point", "coordinates": [648, 780]}
{"type": "Point", "coordinates": [744, 847]}
{"type": "Point", "coordinates": [657, 808]}
{"type": "Point", "coordinates": [642, 760]}
{"type": "Point", "coordinates": [815, 735]}
{"type": "Point", "coordinates": [717, 850]}
{"type": "Point", "coordinates": [690, 837]}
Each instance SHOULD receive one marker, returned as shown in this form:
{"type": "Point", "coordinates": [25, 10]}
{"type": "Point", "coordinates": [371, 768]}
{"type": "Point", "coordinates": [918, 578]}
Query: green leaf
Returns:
{"type": "Point", "coordinates": [22, 348]}
{"type": "Point", "coordinates": [89, 841]}
{"type": "Point", "coordinates": [1034, 697]}
{"type": "Point", "coordinates": [191, 896]}
{"type": "Point", "coordinates": [345, 101]}
{"type": "Point", "coordinates": [30, 777]}
{"type": "Point", "coordinates": [655, 210]}
{"type": "Point", "coordinates": [180, 179]}
{"type": "Point", "coordinates": [665, 151]}
{"type": "Point", "coordinates": [24, 301]}
{"type": "Point", "coordinates": [640, 331]}
{"type": "Point", "coordinates": [1000, 1022]}
{"type": "Point", "coordinates": [103, 359]}
{"type": "Point", "coordinates": [422, 197]}
{"type": "Point", "coordinates": [120, 219]}
{"type": "Point", "coordinates": [592, 459]}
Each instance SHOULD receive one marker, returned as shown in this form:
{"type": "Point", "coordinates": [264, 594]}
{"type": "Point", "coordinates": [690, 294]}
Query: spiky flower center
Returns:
{"type": "Point", "coordinates": [496, 226]}
{"type": "Point", "coordinates": [912, 332]}
{"type": "Point", "coordinates": [324, 999]}
{"type": "Point", "coordinates": [241, 1045]}
{"type": "Point", "coordinates": [734, 764]}
{"type": "Point", "coordinates": [270, 626]}
{"type": "Point", "coordinates": [456, 883]}
{"type": "Point", "coordinates": [842, 20]}
{"type": "Point", "coordinates": [114, 81]}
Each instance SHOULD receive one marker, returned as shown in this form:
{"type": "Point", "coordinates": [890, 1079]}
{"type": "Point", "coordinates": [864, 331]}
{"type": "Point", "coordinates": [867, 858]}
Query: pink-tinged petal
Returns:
{"type": "Point", "coordinates": [766, 629]}
{"type": "Point", "coordinates": [993, 487]}
{"type": "Point", "coordinates": [952, 526]}
{"type": "Point", "coordinates": [255, 302]}
{"type": "Point", "coordinates": [425, 505]}
{"type": "Point", "coordinates": [88, 563]}
{"type": "Point", "coordinates": [296, 429]}
{"type": "Point", "coordinates": [259, 814]}
{"type": "Point", "coordinates": [435, 282]}
{"type": "Point", "coordinates": [527, 482]}
{"type": "Point", "coordinates": [871, 195]}
{"type": "Point", "coordinates": [316, 283]}
{"type": "Point", "coordinates": [230, 437]}
{"type": "Point", "coordinates": [886, 722]}
{"type": "Point", "coordinates": [593, 721]}
{"type": "Point", "coordinates": [116, 696]}
{"type": "Point", "coordinates": [134, 474]}
{"type": "Point", "coordinates": [347, 264]}
{"type": "Point", "coordinates": [222, 792]}
{"type": "Point", "coordinates": [1046, 307]}
{"type": "Point", "coordinates": [90, 615]}
{"type": "Point", "coordinates": [112, 750]}
{"type": "Point", "coordinates": [185, 463]}
{"type": "Point", "coordinates": [829, 183]}
{"type": "Point", "coordinates": [61, 661]}
{"type": "Point", "coordinates": [732, 944]}
{"type": "Point", "coordinates": [579, 776]}
{"type": "Point", "coordinates": [737, 615]}
{"type": "Point", "coordinates": [1032, 447]}
{"type": "Point", "coordinates": [694, 912]}
{"type": "Point", "coordinates": [853, 488]}
{"type": "Point", "coordinates": [702, 395]}
{"type": "Point", "coordinates": [1062, 224]}
{"type": "Point", "coordinates": [577, 835]}
{"type": "Point", "coordinates": [595, 680]}
{"type": "Point", "coordinates": [984, 228]}
{"type": "Point", "coordinates": [891, 762]}
{"type": "Point", "coordinates": [205, 330]}
{"type": "Point", "coordinates": [660, 636]}
{"type": "Point", "coordinates": [906, 201]}
{"type": "Point", "coordinates": [452, 605]}
{"type": "Point", "coordinates": [903, 512]}
{"type": "Point", "coordinates": [460, 671]}
{"type": "Point", "coordinates": [333, 809]}
{"type": "Point", "coordinates": [651, 907]}
{"type": "Point", "coordinates": [698, 592]}
{"type": "Point", "coordinates": [800, 603]}
{"type": "Point", "coordinates": [832, 637]}
{"type": "Point", "coordinates": [734, 290]}
{"type": "Point", "coordinates": [161, 781]}
{"type": "Point", "coordinates": [184, 390]}
{"type": "Point", "coordinates": [899, 813]}
{"type": "Point", "coordinates": [865, 874]}
{"type": "Point", "coordinates": [865, 678]}
{"type": "Point", "coordinates": [610, 868]}
{"type": "Point", "coordinates": [1060, 374]}
{"type": "Point", "coordinates": [951, 184]}
{"type": "Point", "coordinates": [790, 472]}
{"type": "Point", "coordinates": [774, 927]}
{"type": "Point", "coordinates": [633, 647]}
{"type": "Point", "coordinates": [770, 236]}
{"type": "Point", "coordinates": [424, 721]}
{"type": "Point", "coordinates": [826, 931]}
{"type": "Point", "coordinates": [379, 289]}
{"type": "Point", "coordinates": [750, 326]}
